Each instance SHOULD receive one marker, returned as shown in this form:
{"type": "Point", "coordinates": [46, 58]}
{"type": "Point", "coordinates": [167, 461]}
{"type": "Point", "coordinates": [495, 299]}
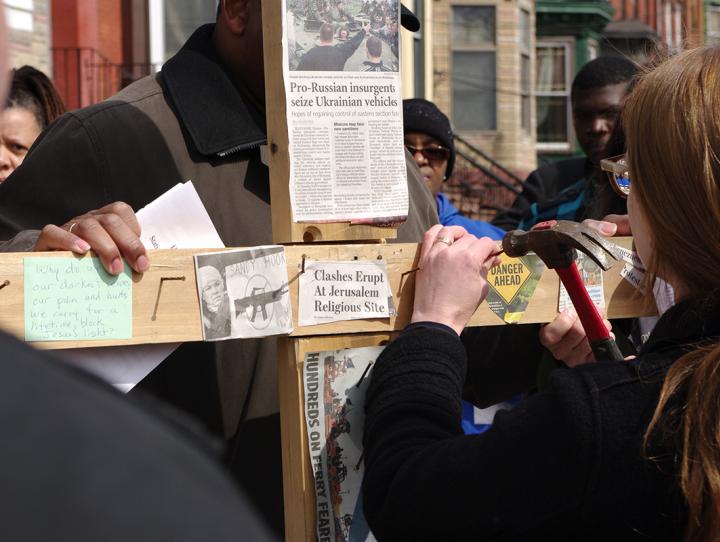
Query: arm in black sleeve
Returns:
{"type": "Point", "coordinates": [503, 362]}
{"type": "Point", "coordinates": [424, 480]}
{"type": "Point", "coordinates": [60, 178]}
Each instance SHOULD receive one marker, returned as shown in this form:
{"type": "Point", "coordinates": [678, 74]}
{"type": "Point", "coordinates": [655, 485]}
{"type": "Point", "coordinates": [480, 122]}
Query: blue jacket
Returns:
{"type": "Point", "coordinates": [568, 205]}
{"type": "Point", "coordinates": [450, 216]}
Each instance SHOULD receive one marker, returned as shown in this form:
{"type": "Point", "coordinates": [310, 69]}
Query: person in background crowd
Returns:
{"type": "Point", "coordinates": [330, 56]}
{"type": "Point", "coordinates": [374, 61]}
{"type": "Point", "coordinates": [597, 95]}
{"type": "Point", "coordinates": [32, 104]}
{"type": "Point", "coordinates": [343, 33]}
{"type": "Point", "coordinates": [429, 138]}
{"type": "Point", "coordinates": [610, 451]}
{"type": "Point", "coordinates": [590, 198]}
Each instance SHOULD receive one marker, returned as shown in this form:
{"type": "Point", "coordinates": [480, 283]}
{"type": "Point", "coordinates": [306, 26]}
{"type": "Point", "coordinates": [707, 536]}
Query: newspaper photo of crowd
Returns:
{"type": "Point", "coordinates": [336, 35]}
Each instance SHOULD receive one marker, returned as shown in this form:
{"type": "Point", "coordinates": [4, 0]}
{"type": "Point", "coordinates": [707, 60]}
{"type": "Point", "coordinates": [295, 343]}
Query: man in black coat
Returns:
{"type": "Point", "coordinates": [202, 118]}
{"type": "Point", "coordinates": [598, 93]}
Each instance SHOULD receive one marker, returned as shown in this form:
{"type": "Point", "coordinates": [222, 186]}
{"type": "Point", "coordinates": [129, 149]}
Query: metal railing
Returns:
{"type": "Point", "coordinates": [84, 76]}
{"type": "Point", "coordinates": [480, 186]}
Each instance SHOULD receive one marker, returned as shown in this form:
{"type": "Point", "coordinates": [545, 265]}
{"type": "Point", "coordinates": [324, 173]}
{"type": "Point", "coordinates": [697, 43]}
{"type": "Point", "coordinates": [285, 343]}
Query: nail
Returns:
{"type": "Point", "coordinates": [81, 246]}
{"type": "Point", "coordinates": [607, 228]}
{"type": "Point", "coordinates": [117, 266]}
{"type": "Point", "coordinates": [142, 263]}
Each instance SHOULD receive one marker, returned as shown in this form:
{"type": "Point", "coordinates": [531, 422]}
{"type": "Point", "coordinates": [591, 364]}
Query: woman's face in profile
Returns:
{"type": "Point", "coordinates": [18, 131]}
{"type": "Point", "coordinates": [640, 229]}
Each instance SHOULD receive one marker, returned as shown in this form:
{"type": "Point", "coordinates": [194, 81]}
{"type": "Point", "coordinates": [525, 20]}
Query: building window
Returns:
{"type": "Point", "coordinates": [473, 68]}
{"type": "Point", "coordinates": [552, 95]}
{"type": "Point", "coordinates": [525, 70]}
{"type": "Point", "coordinates": [419, 52]}
{"type": "Point", "coordinates": [19, 15]}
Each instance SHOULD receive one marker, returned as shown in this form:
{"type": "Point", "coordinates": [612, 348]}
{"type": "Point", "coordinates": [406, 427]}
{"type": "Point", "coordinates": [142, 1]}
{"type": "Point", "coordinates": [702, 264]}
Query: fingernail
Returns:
{"type": "Point", "coordinates": [117, 266]}
{"type": "Point", "coordinates": [607, 228]}
{"type": "Point", "coordinates": [142, 263]}
{"type": "Point", "coordinates": [81, 246]}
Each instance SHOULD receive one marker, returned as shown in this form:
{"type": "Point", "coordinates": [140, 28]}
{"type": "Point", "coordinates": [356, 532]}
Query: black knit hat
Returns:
{"type": "Point", "coordinates": [424, 117]}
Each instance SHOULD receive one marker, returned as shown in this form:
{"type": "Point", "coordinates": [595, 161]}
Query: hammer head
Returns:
{"type": "Point", "coordinates": [554, 241]}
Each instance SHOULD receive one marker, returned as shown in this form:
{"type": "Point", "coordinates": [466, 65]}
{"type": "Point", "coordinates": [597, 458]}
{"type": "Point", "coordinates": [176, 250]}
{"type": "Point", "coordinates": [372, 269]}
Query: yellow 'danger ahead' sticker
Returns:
{"type": "Point", "coordinates": [512, 284]}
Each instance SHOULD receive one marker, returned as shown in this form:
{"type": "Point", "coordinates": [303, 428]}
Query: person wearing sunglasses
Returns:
{"type": "Point", "coordinates": [609, 451]}
{"type": "Point", "coordinates": [429, 138]}
{"type": "Point", "coordinates": [493, 383]}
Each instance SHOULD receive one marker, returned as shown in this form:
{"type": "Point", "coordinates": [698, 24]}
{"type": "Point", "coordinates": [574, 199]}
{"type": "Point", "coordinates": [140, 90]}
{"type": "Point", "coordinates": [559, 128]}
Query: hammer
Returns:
{"type": "Point", "coordinates": [553, 242]}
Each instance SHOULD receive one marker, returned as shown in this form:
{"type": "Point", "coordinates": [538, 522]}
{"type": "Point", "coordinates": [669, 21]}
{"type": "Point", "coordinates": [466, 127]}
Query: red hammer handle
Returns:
{"type": "Point", "coordinates": [587, 311]}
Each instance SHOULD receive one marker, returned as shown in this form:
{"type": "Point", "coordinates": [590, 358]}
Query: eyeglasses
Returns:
{"type": "Point", "coordinates": [432, 153]}
{"type": "Point", "coordinates": [618, 174]}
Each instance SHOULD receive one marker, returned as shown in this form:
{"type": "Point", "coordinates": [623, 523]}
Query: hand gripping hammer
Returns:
{"type": "Point", "coordinates": [553, 241]}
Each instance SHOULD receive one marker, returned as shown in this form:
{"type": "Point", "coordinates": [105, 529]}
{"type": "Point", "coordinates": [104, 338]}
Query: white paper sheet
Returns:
{"type": "Point", "coordinates": [177, 219]}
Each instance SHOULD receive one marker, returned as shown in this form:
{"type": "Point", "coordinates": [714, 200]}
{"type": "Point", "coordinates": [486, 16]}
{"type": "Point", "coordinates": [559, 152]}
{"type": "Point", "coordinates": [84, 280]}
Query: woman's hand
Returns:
{"type": "Point", "coordinates": [611, 225]}
{"type": "Point", "coordinates": [452, 279]}
{"type": "Point", "coordinates": [566, 339]}
{"type": "Point", "coordinates": [112, 232]}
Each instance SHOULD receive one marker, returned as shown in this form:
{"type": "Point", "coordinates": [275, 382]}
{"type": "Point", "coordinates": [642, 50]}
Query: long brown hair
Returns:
{"type": "Point", "coordinates": [673, 138]}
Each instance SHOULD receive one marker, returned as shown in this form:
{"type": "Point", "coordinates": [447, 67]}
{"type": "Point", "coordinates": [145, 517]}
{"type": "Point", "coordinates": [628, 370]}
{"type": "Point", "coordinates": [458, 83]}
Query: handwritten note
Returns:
{"type": "Point", "coordinates": [73, 299]}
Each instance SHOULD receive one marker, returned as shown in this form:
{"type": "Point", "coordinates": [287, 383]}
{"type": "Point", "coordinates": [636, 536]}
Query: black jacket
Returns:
{"type": "Point", "coordinates": [567, 464]}
{"type": "Point", "coordinates": [81, 462]}
{"type": "Point", "coordinates": [542, 185]}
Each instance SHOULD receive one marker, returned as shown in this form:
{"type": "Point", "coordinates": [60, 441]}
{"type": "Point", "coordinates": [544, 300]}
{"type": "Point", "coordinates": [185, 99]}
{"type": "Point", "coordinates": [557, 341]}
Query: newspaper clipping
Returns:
{"type": "Point", "coordinates": [592, 278]}
{"type": "Point", "coordinates": [243, 293]}
{"type": "Point", "coordinates": [335, 383]}
{"type": "Point", "coordinates": [344, 111]}
{"type": "Point", "coordinates": [333, 291]}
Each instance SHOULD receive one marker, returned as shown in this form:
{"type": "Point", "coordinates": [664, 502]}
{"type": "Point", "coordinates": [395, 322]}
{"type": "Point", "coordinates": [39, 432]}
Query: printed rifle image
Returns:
{"type": "Point", "coordinates": [259, 301]}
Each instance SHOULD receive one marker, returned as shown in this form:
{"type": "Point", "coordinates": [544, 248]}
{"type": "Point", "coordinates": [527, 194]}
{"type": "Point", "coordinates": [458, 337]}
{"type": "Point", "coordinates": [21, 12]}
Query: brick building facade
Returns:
{"type": "Point", "coordinates": [642, 26]}
{"type": "Point", "coordinates": [29, 33]}
{"type": "Point", "coordinates": [484, 66]}
{"type": "Point", "coordinates": [98, 46]}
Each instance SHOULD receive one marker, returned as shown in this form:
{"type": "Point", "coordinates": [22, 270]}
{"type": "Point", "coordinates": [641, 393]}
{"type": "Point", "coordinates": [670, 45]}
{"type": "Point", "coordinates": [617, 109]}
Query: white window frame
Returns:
{"type": "Point", "coordinates": [19, 15]}
{"type": "Point", "coordinates": [526, 53]}
{"type": "Point", "coordinates": [156, 23]}
{"type": "Point", "coordinates": [474, 49]}
{"type": "Point", "coordinates": [568, 44]}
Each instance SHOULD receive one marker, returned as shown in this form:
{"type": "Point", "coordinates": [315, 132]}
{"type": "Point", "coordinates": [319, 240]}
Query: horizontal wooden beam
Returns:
{"type": "Point", "coordinates": [172, 314]}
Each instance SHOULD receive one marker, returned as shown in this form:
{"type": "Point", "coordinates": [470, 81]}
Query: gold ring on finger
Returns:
{"type": "Point", "coordinates": [443, 239]}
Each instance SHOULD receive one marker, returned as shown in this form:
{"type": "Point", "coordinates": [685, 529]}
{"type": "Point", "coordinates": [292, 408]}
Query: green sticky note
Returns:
{"type": "Point", "coordinates": [70, 299]}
